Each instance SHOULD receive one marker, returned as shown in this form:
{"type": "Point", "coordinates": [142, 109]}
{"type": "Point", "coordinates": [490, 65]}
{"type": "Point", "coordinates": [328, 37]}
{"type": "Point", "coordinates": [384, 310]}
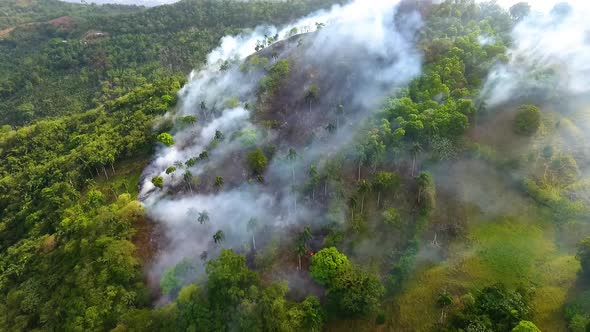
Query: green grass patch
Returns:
{"type": "Point", "coordinates": [515, 252]}
{"type": "Point", "coordinates": [510, 250]}
{"type": "Point", "coordinates": [124, 180]}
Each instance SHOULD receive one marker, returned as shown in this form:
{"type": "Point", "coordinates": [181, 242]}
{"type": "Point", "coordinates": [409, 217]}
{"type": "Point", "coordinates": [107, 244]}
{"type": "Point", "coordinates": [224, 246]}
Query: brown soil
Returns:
{"type": "Point", "coordinates": [6, 32]}
{"type": "Point", "coordinates": [148, 239]}
{"type": "Point", "coordinates": [66, 23]}
{"type": "Point", "coordinates": [63, 23]}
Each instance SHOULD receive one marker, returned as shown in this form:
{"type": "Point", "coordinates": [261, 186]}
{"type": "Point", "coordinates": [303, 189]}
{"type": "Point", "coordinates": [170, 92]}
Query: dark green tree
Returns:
{"type": "Point", "coordinates": [257, 162]}
{"type": "Point", "coordinates": [158, 181]}
{"type": "Point", "coordinates": [527, 121]}
{"type": "Point", "coordinates": [166, 139]}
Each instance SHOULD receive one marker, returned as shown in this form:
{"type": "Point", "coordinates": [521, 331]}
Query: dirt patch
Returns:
{"type": "Point", "coordinates": [6, 32]}
{"type": "Point", "coordinates": [149, 240]}
{"type": "Point", "coordinates": [66, 23]}
{"type": "Point", "coordinates": [93, 35]}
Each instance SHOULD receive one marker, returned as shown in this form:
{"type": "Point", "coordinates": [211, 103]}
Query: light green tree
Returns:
{"type": "Point", "coordinates": [166, 139]}
{"type": "Point", "coordinates": [526, 326]}
{"type": "Point", "coordinates": [326, 264]}
{"type": "Point", "coordinates": [158, 181]}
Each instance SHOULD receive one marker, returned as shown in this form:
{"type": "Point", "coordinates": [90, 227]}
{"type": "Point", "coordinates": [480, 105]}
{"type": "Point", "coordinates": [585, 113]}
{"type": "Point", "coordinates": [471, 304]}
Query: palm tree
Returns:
{"type": "Point", "coordinates": [312, 94]}
{"type": "Point", "coordinates": [352, 203]}
{"type": "Point", "coordinates": [219, 182]}
{"type": "Point", "coordinates": [362, 158]}
{"type": "Point", "coordinates": [294, 192]}
{"type": "Point", "coordinates": [203, 217]}
{"type": "Point", "coordinates": [188, 178]}
{"type": "Point", "coordinates": [416, 149]}
{"type": "Point", "coordinates": [303, 243]}
{"type": "Point", "coordinates": [191, 212]}
{"type": "Point", "coordinates": [426, 190]}
{"type": "Point", "coordinates": [384, 181]}
{"type": "Point", "coordinates": [330, 128]}
{"type": "Point", "coordinates": [191, 162]}
{"type": "Point", "coordinates": [218, 237]}
{"type": "Point", "coordinates": [204, 155]}
{"type": "Point", "coordinates": [203, 107]}
{"type": "Point", "coordinates": [307, 235]}
{"type": "Point", "coordinates": [204, 255]}
{"type": "Point", "coordinates": [252, 228]}
{"type": "Point", "coordinates": [339, 113]}
{"type": "Point", "coordinates": [292, 157]}
{"type": "Point", "coordinates": [218, 136]}
{"type": "Point", "coordinates": [301, 250]}
{"type": "Point", "coordinates": [314, 179]}
{"type": "Point", "coordinates": [364, 188]}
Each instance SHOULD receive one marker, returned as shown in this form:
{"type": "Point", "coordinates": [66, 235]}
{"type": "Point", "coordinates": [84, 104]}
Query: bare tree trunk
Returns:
{"type": "Point", "coordinates": [359, 177]}
{"type": "Point", "coordinates": [435, 241]}
{"type": "Point", "coordinates": [254, 242]}
{"type": "Point", "coordinates": [362, 203]}
{"type": "Point", "coordinates": [378, 198]}
{"type": "Point", "coordinates": [105, 172]}
{"type": "Point", "coordinates": [113, 168]}
{"type": "Point", "coordinates": [299, 256]}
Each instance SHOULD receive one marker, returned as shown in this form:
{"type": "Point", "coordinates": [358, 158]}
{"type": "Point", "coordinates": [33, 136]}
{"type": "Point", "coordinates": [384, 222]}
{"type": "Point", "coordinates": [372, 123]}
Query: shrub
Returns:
{"type": "Point", "coordinates": [527, 121]}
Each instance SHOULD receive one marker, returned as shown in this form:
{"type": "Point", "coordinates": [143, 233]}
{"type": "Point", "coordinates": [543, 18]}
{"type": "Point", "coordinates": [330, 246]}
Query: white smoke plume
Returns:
{"type": "Point", "coordinates": [548, 66]}
{"type": "Point", "coordinates": [548, 57]}
{"type": "Point", "coordinates": [384, 57]}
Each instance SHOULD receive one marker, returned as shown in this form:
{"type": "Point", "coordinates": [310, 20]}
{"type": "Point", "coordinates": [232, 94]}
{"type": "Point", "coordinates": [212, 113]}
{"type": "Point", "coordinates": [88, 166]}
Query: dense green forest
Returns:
{"type": "Point", "coordinates": [429, 209]}
{"type": "Point", "coordinates": [63, 58]}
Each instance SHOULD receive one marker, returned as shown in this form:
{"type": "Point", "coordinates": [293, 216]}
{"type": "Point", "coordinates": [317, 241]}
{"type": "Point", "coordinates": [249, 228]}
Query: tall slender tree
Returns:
{"type": "Point", "coordinates": [188, 179]}
{"type": "Point", "coordinates": [203, 217]}
{"type": "Point", "coordinates": [364, 188]}
{"type": "Point", "coordinates": [314, 180]}
{"type": "Point", "coordinates": [416, 150]}
{"type": "Point", "coordinates": [219, 182]}
{"type": "Point", "coordinates": [292, 158]}
{"type": "Point", "coordinates": [302, 247]}
{"type": "Point", "coordinates": [253, 228]}
{"type": "Point", "coordinates": [384, 181]}
{"type": "Point", "coordinates": [312, 94]}
{"type": "Point", "coordinates": [219, 237]}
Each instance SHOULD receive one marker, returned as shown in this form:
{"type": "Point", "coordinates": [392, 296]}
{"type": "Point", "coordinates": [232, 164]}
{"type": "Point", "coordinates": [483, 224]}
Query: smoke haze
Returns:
{"type": "Point", "coordinates": [375, 54]}
{"type": "Point", "coordinates": [549, 56]}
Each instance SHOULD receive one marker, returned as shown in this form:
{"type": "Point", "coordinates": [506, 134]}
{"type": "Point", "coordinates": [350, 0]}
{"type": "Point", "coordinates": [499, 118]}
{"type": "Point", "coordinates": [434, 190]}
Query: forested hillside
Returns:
{"type": "Point", "coordinates": [103, 79]}
{"type": "Point", "coordinates": [61, 58]}
{"type": "Point", "coordinates": [294, 166]}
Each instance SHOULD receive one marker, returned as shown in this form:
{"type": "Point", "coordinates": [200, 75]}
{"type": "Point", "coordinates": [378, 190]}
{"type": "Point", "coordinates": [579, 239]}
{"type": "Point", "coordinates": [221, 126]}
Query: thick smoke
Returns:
{"type": "Point", "coordinates": [548, 66]}
{"type": "Point", "coordinates": [549, 57]}
{"type": "Point", "coordinates": [381, 55]}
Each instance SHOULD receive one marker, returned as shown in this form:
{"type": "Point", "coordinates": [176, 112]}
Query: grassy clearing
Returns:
{"type": "Point", "coordinates": [125, 179]}
{"type": "Point", "coordinates": [515, 252]}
